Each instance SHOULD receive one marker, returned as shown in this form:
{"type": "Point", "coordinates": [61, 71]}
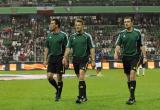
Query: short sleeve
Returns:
{"type": "Point", "coordinates": [140, 40]}
{"type": "Point", "coordinates": [119, 40]}
{"type": "Point", "coordinates": [90, 42]}
{"type": "Point", "coordinates": [69, 43]}
{"type": "Point", "coordinates": [65, 39]}
{"type": "Point", "coordinates": [46, 43]}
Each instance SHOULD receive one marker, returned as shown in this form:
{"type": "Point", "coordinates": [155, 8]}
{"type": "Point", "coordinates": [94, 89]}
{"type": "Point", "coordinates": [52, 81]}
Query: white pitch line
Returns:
{"type": "Point", "coordinates": [28, 76]}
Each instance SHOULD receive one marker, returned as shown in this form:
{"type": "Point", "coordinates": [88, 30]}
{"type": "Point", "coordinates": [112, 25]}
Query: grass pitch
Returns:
{"type": "Point", "coordinates": [109, 92]}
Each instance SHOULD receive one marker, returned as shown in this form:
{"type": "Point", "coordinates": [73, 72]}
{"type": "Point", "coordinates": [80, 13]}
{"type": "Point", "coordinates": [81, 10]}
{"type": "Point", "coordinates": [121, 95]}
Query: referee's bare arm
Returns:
{"type": "Point", "coordinates": [144, 54]}
{"type": "Point", "coordinates": [45, 56]}
{"type": "Point", "coordinates": [92, 51]}
{"type": "Point", "coordinates": [143, 51]}
{"type": "Point", "coordinates": [117, 52]}
{"type": "Point", "coordinates": [66, 56]}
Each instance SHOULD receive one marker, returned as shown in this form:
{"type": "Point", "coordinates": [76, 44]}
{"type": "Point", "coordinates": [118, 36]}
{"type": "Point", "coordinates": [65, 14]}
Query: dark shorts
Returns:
{"type": "Point", "coordinates": [80, 64]}
{"type": "Point", "coordinates": [131, 63]}
{"type": "Point", "coordinates": [55, 65]}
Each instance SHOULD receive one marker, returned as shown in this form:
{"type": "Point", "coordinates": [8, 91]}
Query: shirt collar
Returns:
{"type": "Point", "coordinates": [130, 31]}
{"type": "Point", "coordinates": [55, 33]}
{"type": "Point", "coordinates": [79, 33]}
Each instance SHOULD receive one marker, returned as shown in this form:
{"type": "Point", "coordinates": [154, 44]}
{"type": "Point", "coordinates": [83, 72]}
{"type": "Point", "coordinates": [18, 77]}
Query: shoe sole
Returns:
{"type": "Point", "coordinates": [128, 103]}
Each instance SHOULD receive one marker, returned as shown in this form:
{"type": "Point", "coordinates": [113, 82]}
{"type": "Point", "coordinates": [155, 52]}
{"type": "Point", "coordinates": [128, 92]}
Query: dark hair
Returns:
{"type": "Point", "coordinates": [129, 17]}
{"type": "Point", "coordinates": [57, 22]}
{"type": "Point", "coordinates": [80, 20]}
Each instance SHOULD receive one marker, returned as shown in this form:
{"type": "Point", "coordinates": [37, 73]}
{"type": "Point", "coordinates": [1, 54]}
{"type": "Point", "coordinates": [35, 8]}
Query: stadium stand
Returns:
{"type": "Point", "coordinates": [79, 3]}
{"type": "Point", "coordinates": [22, 37]}
{"type": "Point", "coordinates": [22, 32]}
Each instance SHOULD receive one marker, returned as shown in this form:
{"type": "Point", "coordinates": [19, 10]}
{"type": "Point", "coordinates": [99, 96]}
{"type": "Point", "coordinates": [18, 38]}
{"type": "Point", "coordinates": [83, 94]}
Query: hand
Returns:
{"type": "Point", "coordinates": [65, 62]}
{"type": "Point", "coordinates": [116, 57]}
{"type": "Point", "coordinates": [45, 63]}
{"type": "Point", "coordinates": [144, 60]}
{"type": "Point", "coordinates": [93, 64]}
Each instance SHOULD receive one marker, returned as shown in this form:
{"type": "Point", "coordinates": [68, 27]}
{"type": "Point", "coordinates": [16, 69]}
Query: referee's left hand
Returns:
{"type": "Point", "coordinates": [65, 62]}
{"type": "Point", "coordinates": [144, 60]}
{"type": "Point", "coordinates": [116, 57]}
{"type": "Point", "coordinates": [93, 64]}
{"type": "Point", "coordinates": [45, 63]}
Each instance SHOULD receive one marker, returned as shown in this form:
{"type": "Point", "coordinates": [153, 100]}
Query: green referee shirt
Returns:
{"type": "Point", "coordinates": [130, 42]}
{"type": "Point", "coordinates": [81, 44]}
{"type": "Point", "coordinates": [56, 43]}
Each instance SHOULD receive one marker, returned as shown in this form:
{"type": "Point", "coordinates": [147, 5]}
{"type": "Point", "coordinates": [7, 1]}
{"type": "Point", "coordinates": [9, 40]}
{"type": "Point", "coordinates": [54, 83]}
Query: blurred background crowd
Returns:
{"type": "Point", "coordinates": [8, 3]}
{"type": "Point", "coordinates": [22, 37]}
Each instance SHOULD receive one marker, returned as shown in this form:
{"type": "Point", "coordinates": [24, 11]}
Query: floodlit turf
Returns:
{"type": "Point", "coordinates": [104, 93]}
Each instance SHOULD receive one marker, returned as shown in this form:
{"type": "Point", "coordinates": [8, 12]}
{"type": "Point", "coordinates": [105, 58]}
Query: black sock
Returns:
{"type": "Point", "coordinates": [82, 89]}
{"type": "Point", "coordinates": [60, 86]}
{"type": "Point", "coordinates": [132, 89]}
{"type": "Point", "coordinates": [129, 84]}
{"type": "Point", "coordinates": [53, 83]}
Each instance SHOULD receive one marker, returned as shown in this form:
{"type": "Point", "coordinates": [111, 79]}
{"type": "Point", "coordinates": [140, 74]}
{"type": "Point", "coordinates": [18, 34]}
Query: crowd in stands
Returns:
{"type": "Point", "coordinates": [22, 37]}
{"type": "Point", "coordinates": [79, 3]}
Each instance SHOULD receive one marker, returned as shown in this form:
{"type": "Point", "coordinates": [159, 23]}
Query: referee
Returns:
{"type": "Point", "coordinates": [83, 47]}
{"type": "Point", "coordinates": [54, 50]}
{"type": "Point", "coordinates": [132, 48]}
